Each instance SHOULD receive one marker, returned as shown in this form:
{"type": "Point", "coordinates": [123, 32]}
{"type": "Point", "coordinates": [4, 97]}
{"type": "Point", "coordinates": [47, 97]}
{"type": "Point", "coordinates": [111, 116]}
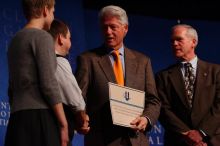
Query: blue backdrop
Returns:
{"type": "Point", "coordinates": [149, 35]}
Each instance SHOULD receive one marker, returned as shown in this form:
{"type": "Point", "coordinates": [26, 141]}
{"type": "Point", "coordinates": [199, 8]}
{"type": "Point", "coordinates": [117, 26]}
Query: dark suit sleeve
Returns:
{"type": "Point", "coordinates": [82, 74]}
{"type": "Point", "coordinates": [10, 93]}
{"type": "Point", "coordinates": [167, 117]}
{"type": "Point", "coordinates": [211, 121]}
{"type": "Point", "coordinates": [152, 103]}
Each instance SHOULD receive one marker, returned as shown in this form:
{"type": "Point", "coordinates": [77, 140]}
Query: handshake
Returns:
{"type": "Point", "coordinates": [82, 122]}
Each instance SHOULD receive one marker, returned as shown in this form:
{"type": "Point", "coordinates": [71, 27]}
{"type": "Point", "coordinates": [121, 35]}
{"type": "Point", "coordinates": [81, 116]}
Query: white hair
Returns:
{"type": "Point", "coordinates": [114, 11]}
{"type": "Point", "coordinates": [190, 31]}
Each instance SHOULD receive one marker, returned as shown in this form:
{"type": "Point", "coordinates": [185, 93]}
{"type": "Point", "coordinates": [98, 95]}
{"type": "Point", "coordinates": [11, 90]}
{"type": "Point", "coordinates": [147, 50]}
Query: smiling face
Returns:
{"type": "Point", "coordinates": [183, 43]}
{"type": "Point", "coordinates": [113, 31]}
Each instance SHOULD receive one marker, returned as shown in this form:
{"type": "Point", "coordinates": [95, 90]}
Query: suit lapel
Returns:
{"type": "Point", "coordinates": [176, 78]}
{"type": "Point", "coordinates": [130, 68]}
{"type": "Point", "coordinates": [201, 80]}
{"type": "Point", "coordinates": [106, 66]}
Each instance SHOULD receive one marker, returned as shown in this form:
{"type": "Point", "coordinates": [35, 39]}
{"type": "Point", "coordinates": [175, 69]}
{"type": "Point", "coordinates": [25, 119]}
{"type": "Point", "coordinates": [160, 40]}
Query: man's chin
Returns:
{"type": "Point", "coordinates": [179, 55]}
{"type": "Point", "coordinates": [109, 45]}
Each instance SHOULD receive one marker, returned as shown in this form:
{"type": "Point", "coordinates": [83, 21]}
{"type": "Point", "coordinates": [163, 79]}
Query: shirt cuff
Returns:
{"type": "Point", "coordinates": [205, 137]}
{"type": "Point", "coordinates": [202, 133]}
{"type": "Point", "coordinates": [149, 124]}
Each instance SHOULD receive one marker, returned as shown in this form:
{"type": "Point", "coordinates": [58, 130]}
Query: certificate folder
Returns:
{"type": "Point", "coordinates": [126, 104]}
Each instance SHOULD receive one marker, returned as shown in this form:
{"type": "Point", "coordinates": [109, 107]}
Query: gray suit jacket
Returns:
{"type": "Point", "coordinates": [93, 74]}
{"type": "Point", "coordinates": [176, 116]}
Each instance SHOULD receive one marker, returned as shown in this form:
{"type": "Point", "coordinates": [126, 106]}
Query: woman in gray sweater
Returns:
{"type": "Point", "coordinates": [37, 117]}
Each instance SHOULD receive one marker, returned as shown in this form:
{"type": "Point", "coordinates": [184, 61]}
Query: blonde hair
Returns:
{"type": "Point", "coordinates": [33, 8]}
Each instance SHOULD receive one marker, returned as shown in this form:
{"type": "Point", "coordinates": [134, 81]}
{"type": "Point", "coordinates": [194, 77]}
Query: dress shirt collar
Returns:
{"type": "Point", "coordinates": [193, 62]}
{"type": "Point", "coordinates": [121, 51]}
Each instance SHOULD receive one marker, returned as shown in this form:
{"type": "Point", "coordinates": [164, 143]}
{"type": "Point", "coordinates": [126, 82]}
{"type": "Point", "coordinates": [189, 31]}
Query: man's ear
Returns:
{"type": "Point", "coordinates": [45, 11]}
{"type": "Point", "coordinates": [126, 29]}
{"type": "Point", "coordinates": [194, 43]}
{"type": "Point", "coordinates": [60, 39]}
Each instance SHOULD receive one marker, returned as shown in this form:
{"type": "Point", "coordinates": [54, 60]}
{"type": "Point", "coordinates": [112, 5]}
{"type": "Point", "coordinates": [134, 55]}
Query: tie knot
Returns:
{"type": "Point", "coordinates": [187, 65]}
{"type": "Point", "coordinates": [188, 69]}
{"type": "Point", "coordinates": [115, 54]}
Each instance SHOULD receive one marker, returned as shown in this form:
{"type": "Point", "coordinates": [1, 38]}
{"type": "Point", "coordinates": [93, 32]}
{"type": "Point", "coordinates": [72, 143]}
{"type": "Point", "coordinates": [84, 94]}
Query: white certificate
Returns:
{"type": "Point", "coordinates": [126, 104]}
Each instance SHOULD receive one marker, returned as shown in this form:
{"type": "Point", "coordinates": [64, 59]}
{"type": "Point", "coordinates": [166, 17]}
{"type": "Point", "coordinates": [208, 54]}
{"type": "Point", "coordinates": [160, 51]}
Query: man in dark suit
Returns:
{"type": "Point", "coordinates": [95, 70]}
{"type": "Point", "coordinates": [190, 116]}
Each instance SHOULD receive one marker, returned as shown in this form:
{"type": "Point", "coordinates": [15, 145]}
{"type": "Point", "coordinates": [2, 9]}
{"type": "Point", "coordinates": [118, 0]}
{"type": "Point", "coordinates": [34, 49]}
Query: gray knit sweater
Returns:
{"type": "Point", "coordinates": [32, 66]}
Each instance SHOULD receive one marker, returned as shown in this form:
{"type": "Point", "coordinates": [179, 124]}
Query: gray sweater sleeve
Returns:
{"type": "Point", "coordinates": [46, 64]}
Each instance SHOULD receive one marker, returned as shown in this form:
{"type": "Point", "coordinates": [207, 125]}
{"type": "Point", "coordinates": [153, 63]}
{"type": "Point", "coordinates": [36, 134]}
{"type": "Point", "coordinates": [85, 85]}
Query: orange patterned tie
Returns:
{"type": "Point", "coordinates": [118, 70]}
